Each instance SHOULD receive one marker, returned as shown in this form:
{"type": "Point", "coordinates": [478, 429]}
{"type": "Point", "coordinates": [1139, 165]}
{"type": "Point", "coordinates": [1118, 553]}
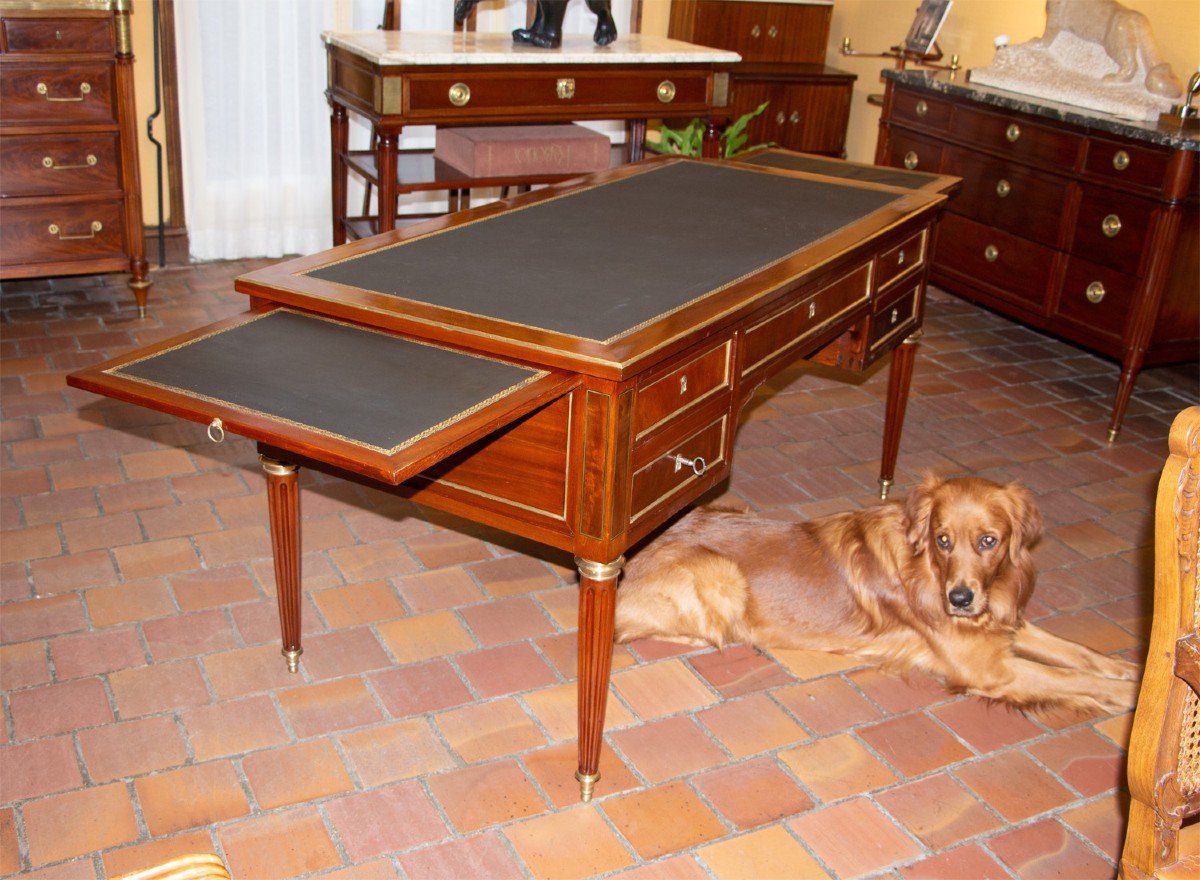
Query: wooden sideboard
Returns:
{"type": "Point", "coordinates": [1072, 222]}
{"type": "Point", "coordinates": [69, 189]}
{"type": "Point", "coordinates": [782, 45]}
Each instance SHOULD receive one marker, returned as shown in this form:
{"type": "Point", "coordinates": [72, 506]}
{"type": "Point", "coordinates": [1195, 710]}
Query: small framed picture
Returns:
{"type": "Point", "coordinates": [926, 25]}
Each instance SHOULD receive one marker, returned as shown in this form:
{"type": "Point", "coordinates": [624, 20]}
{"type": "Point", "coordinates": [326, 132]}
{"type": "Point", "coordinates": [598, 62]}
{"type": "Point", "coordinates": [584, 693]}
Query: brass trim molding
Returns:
{"type": "Point", "coordinates": [60, 5]}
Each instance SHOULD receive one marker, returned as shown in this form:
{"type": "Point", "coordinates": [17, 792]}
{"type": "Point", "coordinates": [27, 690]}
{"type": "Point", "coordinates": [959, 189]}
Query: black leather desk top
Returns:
{"type": "Point", "coordinates": [600, 262]}
{"type": "Point", "coordinates": [360, 385]}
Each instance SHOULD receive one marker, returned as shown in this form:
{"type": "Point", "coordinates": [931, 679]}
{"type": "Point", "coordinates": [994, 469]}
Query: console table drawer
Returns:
{"type": "Point", "coordinates": [530, 95]}
{"type": "Point", "coordinates": [1096, 298]}
{"type": "Point", "coordinates": [664, 398]}
{"type": "Point", "coordinates": [1017, 138]}
{"type": "Point", "coordinates": [59, 35]}
{"type": "Point", "coordinates": [1111, 228]}
{"type": "Point", "coordinates": [58, 164]}
{"type": "Point", "coordinates": [62, 231]}
{"type": "Point", "coordinates": [56, 94]}
{"type": "Point", "coordinates": [1010, 266]}
{"type": "Point", "coordinates": [1006, 195]}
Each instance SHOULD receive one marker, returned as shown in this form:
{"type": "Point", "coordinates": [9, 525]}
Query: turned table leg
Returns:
{"type": "Point", "coordinates": [899, 382]}
{"type": "Point", "coordinates": [283, 505]}
{"type": "Point", "coordinates": [597, 605]}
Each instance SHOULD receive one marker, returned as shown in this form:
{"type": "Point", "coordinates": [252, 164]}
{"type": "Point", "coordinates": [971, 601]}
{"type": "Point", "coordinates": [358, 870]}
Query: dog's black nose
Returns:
{"type": "Point", "coordinates": [961, 597]}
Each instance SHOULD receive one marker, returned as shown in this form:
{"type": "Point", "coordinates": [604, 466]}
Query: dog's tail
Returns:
{"type": "Point", "coordinates": [697, 596]}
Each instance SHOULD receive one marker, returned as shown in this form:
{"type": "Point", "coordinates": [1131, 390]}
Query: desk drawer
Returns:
{"type": "Point", "coordinates": [1007, 195]}
{"type": "Point", "coordinates": [61, 231]}
{"type": "Point", "coordinates": [662, 399]}
{"type": "Point", "coordinates": [788, 328]}
{"type": "Point", "coordinates": [48, 94]}
{"type": "Point", "coordinates": [894, 318]}
{"type": "Point", "coordinates": [59, 34]}
{"type": "Point", "coordinates": [1007, 265]}
{"type": "Point", "coordinates": [531, 95]}
{"type": "Point", "coordinates": [669, 474]}
{"type": "Point", "coordinates": [900, 260]}
{"type": "Point", "coordinates": [58, 164]}
{"type": "Point", "coordinates": [1125, 164]}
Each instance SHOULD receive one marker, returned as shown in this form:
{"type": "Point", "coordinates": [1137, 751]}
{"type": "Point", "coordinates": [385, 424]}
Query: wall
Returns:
{"type": "Point", "coordinates": [875, 25]}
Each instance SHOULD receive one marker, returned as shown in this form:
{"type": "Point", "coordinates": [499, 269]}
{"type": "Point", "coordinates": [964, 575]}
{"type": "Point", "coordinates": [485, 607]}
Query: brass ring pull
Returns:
{"type": "Point", "coordinates": [460, 94]}
{"type": "Point", "coordinates": [666, 91]}
{"type": "Point", "coordinates": [991, 253]}
{"type": "Point", "coordinates": [216, 431]}
{"type": "Point", "coordinates": [697, 464]}
{"type": "Point", "coordinates": [1120, 160]}
{"type": "Point", "coordinates": [1003, 188]}
{"type": "Point", "coordinates": [922, 108]}
{"type": "Point", "coordinates": [1111, 225]}
{"type": "Point", "coordinates": [85, 89]}
{"type": "Point", "coordinates": [1012, 133]}
{"type": "Point", "coordinates": [48, 162]}
{"type": "Point", "coordinates": [756, 32]}
{"type": "Point", "coordinates": [911, 160]}
{"type": "Point", "coordinates": [55, 229]}
{"type": "Point", "coordinates": [1095, 292]}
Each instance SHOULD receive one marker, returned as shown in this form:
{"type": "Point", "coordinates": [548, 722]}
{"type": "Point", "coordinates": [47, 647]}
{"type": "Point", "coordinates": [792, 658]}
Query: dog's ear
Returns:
{"type": "Point", "coordinates": [917, 511]}
{"type": "Point", "coordinates": [1026, 520]}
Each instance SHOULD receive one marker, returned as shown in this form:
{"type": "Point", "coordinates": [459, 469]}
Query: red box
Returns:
{"type": "Point", "coordinates": [517, 150]}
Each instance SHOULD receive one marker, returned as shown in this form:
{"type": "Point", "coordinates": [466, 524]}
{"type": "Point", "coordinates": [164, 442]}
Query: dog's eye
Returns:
{"type": "Point", "coordinates": [987, 542]}
{"type": "Point", "coordinates": [943, 542]}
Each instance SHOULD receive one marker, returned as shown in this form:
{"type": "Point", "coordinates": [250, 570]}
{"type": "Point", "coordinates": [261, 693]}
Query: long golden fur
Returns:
{"type": "Point", "coordinates": [937, 583]}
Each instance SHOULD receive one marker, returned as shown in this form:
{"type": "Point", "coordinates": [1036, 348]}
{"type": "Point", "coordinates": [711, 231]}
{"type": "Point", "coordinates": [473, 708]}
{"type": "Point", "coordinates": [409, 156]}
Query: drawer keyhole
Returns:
{"type": "Point", "coordinates": [697, 464]}
{"type": "Point", "coordinates": [683, 384]}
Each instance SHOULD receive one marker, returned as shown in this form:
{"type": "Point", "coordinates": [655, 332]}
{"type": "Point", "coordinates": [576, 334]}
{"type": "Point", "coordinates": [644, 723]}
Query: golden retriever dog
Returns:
{"type": "Point", "coordinates": [936, 583]}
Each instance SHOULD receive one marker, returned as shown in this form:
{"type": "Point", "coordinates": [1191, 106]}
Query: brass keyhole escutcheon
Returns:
{"type": "Point", "coordinates": [460, 94]}
{"type": "Point", "coordinates": [1111, 225]}
{"type": "Point", "coordinates": [1095, 292]}
{"type": "Point", "coordinates": [991, 253]}
{"type": "Point", "coordinates": [1120, 160]}
{"type": "Point", "coordinates": [922, 108]}
{"type": "Point", "coordinates": [1012, 133]}
{"type": "Point", "coordinates": [565, 88]}
{"type": "Point", "coordinates": [1003, 188]}
{"type": "Point", "coordinates": [911, 160]}
{"type": "Point", "coordinates": [666, 91]}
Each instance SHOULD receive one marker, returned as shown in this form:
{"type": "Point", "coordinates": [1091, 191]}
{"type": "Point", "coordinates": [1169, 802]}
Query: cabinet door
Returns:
{"type": "Point", "coordinates": [794, 32]}
{"type": "Point", "coordinates": [817, 116]}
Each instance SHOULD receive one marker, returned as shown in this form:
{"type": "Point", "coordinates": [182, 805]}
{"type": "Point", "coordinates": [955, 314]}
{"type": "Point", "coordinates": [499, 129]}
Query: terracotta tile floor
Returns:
{"type": "Point", "coordinates": [430, 732]}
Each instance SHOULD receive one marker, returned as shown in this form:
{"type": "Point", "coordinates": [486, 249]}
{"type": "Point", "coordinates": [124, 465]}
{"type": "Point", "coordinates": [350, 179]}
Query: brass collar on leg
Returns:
{"type": "Point", "coordinates": [587, 784]}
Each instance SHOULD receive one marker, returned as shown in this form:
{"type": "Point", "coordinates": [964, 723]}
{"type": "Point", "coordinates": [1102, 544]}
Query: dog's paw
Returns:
{"type": "Point", "coordinates": [1120, 670]}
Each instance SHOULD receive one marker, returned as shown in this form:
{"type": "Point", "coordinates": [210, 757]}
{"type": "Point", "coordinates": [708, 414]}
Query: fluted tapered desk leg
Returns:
{"type": "Point", "coordinates": [597, 605]}
{"type": "Point", "coordinates": [899, 382]}
{"type": "Point", "coordinates": [283, 505]}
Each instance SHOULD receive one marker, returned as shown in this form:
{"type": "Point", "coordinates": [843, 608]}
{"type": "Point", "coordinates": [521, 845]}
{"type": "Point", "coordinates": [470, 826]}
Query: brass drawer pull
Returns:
{"type": "Point", "coordinates": [84, 90]}
{"type": "Point", "coordinates": [1012, 133]}
{"type": "Point", "coordinates": [565, 89]}
{"type": "Point", "coordinates": [697, 464]}
{"type": "Point", "coordinates": [55, 229]}
{"type": "Point", "coordinates": [216, 431]}
{"type": "Point", "coordinates": [911, 160]}
{"type": "Point", "coordinates": [1095, 292]}
{"type": "Point", "coordinates": [922, 108]}
{"type": "Point", "coordinates": [1120, 160]}
{"type": "Point", "coordinates": [1111, 225]}
{"type": "Point", "coordinates": [460, 94]}
{"type": "Point", "coordinates": [48, 162]}
{"type": "Point", "coordinates": [991, 253]}
{"type": "Point", "coordinates": [1003, 188]}
{"type": "Point", "coordinates": [666, 91]}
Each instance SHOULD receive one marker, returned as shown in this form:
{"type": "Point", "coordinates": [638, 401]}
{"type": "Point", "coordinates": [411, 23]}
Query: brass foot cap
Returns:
{"type": "Point", "coordinates": [1112, 434]}
{"type": "Point", "coordinates": [292, 658]}
{"type": "Point", "coordinates": [885, 486]}
{"type": "Point", "coordinates": [587, 784]}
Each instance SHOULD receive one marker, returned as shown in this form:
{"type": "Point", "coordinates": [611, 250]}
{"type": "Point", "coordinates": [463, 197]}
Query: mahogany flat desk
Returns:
{"type": "Point", "coordinates": [394, 79]}
{"type": "Point", "coordinates": [568, 367]}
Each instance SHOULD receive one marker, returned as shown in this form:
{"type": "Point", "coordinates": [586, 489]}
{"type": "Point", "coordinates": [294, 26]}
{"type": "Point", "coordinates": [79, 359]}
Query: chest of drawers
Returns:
{"type": "Point", "coordinates": [69, 192]}
{"type": "Point", "coordinates": [1085, 227]}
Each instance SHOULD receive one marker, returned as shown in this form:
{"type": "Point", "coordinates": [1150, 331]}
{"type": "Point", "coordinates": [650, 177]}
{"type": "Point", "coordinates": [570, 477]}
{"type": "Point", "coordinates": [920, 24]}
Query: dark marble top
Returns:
{"type": "Point", "coordinates": [937, 81]}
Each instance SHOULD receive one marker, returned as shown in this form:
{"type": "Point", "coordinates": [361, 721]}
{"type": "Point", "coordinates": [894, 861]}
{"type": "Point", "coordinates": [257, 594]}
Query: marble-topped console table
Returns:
{"type": "Point", "coordinates": [1075, 222]}
{"type": "Point", "coordinates": [394, 79]}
